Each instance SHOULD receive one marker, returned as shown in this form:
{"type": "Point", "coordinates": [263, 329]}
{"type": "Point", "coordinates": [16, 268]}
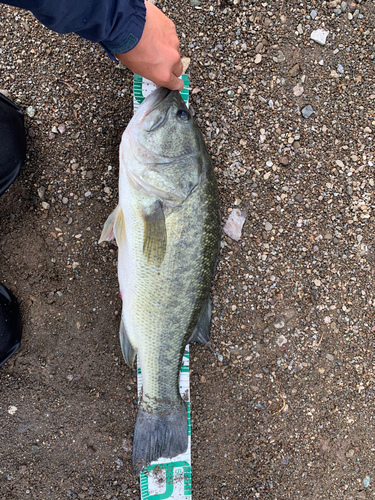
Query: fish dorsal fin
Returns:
{"type": "Point", "coordinates": [155, 234]}
{"type": "Point", "coordinates": [114, 227]}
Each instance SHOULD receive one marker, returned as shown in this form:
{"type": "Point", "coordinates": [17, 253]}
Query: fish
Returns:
{"type": "Point", "coordinates": [167, 229]}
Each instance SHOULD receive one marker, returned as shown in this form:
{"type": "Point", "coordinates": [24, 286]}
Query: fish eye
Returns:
{"type": "Point", "coordinates": [183, 115]}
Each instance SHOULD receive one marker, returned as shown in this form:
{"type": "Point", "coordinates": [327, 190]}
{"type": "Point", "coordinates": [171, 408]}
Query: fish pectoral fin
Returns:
{"type": "Point", "coordinates": [114, 227]}
{"type": "Point", "coordinates": [155, 234]}
{"type": "Point", "coordinates": [128, 350]}
{"type": "Point", "coordinates": [201, 332]}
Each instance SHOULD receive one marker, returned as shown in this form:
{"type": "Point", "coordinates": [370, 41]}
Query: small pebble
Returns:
{"type": "Point", "coordinates": [281, 340]}
{"type": "Point", "coordinates": [313, 14]}
{"type": "Point", "coordinates": [366, 481]}
{"type": "Point", "coordinates": [185, 63]}
{"type": "Point", "coordinates": [340, 69]}
{"type": "Point", "coordinates": [30, 111]}
{"type": "Point", "coordinates": [295, 70]}
{"type": "Point", "coordinates": [319, 36]}
{"type": "Point", "coordinates": [280, 324]}
{"type": "Point", "coordinates": [283, 160]}
{"type": "Point", "coordinates": [12, 410]}
{"type": "Point", "coordinates": [298, 90]}
{"type": "Point", "coordinates": [234, 224]}
{"type": "Point", "coordinates": [61, 128]}
{"type": "Point", "coordinates": [258, 59]}
{"type": "Point", "coordinates": [307, 111]}
{"type": "Point", "coordinates": [41, 192]}
{"type": "Point", "coordinates": [268, 226]}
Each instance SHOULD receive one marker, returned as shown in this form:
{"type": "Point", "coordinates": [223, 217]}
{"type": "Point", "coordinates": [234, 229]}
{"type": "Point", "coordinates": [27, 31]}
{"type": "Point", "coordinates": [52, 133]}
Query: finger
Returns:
{"type": "Point", "coordinates": [178, 68]}
{"type": "Point", "coordinates": [175, 83]}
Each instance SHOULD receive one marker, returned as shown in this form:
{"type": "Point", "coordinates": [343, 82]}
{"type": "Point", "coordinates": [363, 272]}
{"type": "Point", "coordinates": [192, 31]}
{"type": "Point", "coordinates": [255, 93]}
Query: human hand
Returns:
{"type": "Point", "coordinates": [157, 55]}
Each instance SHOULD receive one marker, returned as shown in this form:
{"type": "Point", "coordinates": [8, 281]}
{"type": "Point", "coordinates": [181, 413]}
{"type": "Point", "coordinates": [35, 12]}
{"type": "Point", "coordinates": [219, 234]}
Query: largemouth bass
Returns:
{"type": "Point", "coordinates": [167, 228]}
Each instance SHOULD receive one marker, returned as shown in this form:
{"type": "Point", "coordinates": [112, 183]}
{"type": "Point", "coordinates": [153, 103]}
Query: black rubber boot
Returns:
{"type": "Point", "coordinates": [12, 142]}
{"type": "Point", "coordinates": [10, 324]}
{"type": "Point", "coordinates": [12, 156]}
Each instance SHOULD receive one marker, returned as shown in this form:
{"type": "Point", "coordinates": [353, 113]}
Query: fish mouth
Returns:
{"type": "Point", "coordinates": [160, 95]}
{"type": "Point", "coordinates": [148, 105]}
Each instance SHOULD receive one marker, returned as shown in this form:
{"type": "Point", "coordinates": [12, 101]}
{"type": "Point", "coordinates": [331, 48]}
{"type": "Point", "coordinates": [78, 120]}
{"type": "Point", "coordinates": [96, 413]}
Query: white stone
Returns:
{"type": "Point", "coordinates": [319, 36]}
{"type": "Point", "coordinates": [234, 224]}
{"type": "Point", "coordinates": [298, 90]}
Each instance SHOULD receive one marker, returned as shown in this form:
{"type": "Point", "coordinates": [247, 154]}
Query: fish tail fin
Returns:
{"type": "Point", "coordinates": [159, 435]}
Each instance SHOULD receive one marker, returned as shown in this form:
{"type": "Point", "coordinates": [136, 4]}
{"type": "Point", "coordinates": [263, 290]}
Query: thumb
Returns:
{"type": "Point", "coordinates": [175, 83]}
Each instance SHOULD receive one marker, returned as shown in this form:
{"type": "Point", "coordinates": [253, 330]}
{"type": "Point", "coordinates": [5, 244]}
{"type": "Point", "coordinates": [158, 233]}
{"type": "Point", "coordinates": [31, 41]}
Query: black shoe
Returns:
{"type": "Point", "coordinates": [10, 325]}
{"type": "Point", "coordinates": [12, 142]}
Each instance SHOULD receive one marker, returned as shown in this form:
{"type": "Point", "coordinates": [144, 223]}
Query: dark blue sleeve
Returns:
{"type": "Point", "coordinates": [116, 24]}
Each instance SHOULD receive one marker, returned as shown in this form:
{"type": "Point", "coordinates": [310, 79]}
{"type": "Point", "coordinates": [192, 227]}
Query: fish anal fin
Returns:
{"type": "Point", "coordinates": [128, 350]}
{"type": "Point", "coordinates": [201, 332]}
{"type": "Point", "coordinates": [155, 234]}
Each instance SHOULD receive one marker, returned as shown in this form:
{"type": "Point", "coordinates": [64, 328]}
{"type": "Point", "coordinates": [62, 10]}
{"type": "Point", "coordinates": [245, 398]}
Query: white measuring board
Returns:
{"type": "Point", "coordinates": [167, 478]}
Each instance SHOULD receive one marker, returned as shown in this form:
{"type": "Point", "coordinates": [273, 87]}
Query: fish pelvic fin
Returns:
{"type": "Point", "coordinates": [128, 350]}
{"type": "Point", "coordinates": [155, 234]}
{"type": "Point", "coordinates": [201, 332]}
{"type": "Point", "coordinates": [159, 435]}
{"type": "Point", "coordinates": [114, 227]}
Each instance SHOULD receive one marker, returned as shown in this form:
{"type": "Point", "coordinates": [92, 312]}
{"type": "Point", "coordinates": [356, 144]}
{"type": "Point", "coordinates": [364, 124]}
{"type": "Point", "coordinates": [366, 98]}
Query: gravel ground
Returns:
{"type": "Point", "coordinates": [283, 398]}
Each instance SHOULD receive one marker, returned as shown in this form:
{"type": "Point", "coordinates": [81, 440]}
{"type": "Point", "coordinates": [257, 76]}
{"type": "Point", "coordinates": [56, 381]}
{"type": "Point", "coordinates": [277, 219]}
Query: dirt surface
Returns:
{"type": "Point", "coordinates": [283, 398]}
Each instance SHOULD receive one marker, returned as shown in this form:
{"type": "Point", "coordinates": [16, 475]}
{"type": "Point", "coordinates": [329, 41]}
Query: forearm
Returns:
{"type": "Point", "coordinates": [116, 24]}
{"type": "Point", "coordinates": [137, 32]}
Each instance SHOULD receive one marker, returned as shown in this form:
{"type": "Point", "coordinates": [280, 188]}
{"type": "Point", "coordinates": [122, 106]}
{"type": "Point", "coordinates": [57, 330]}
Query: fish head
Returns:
{"type": "Point", "coordinates": [166, 148]}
